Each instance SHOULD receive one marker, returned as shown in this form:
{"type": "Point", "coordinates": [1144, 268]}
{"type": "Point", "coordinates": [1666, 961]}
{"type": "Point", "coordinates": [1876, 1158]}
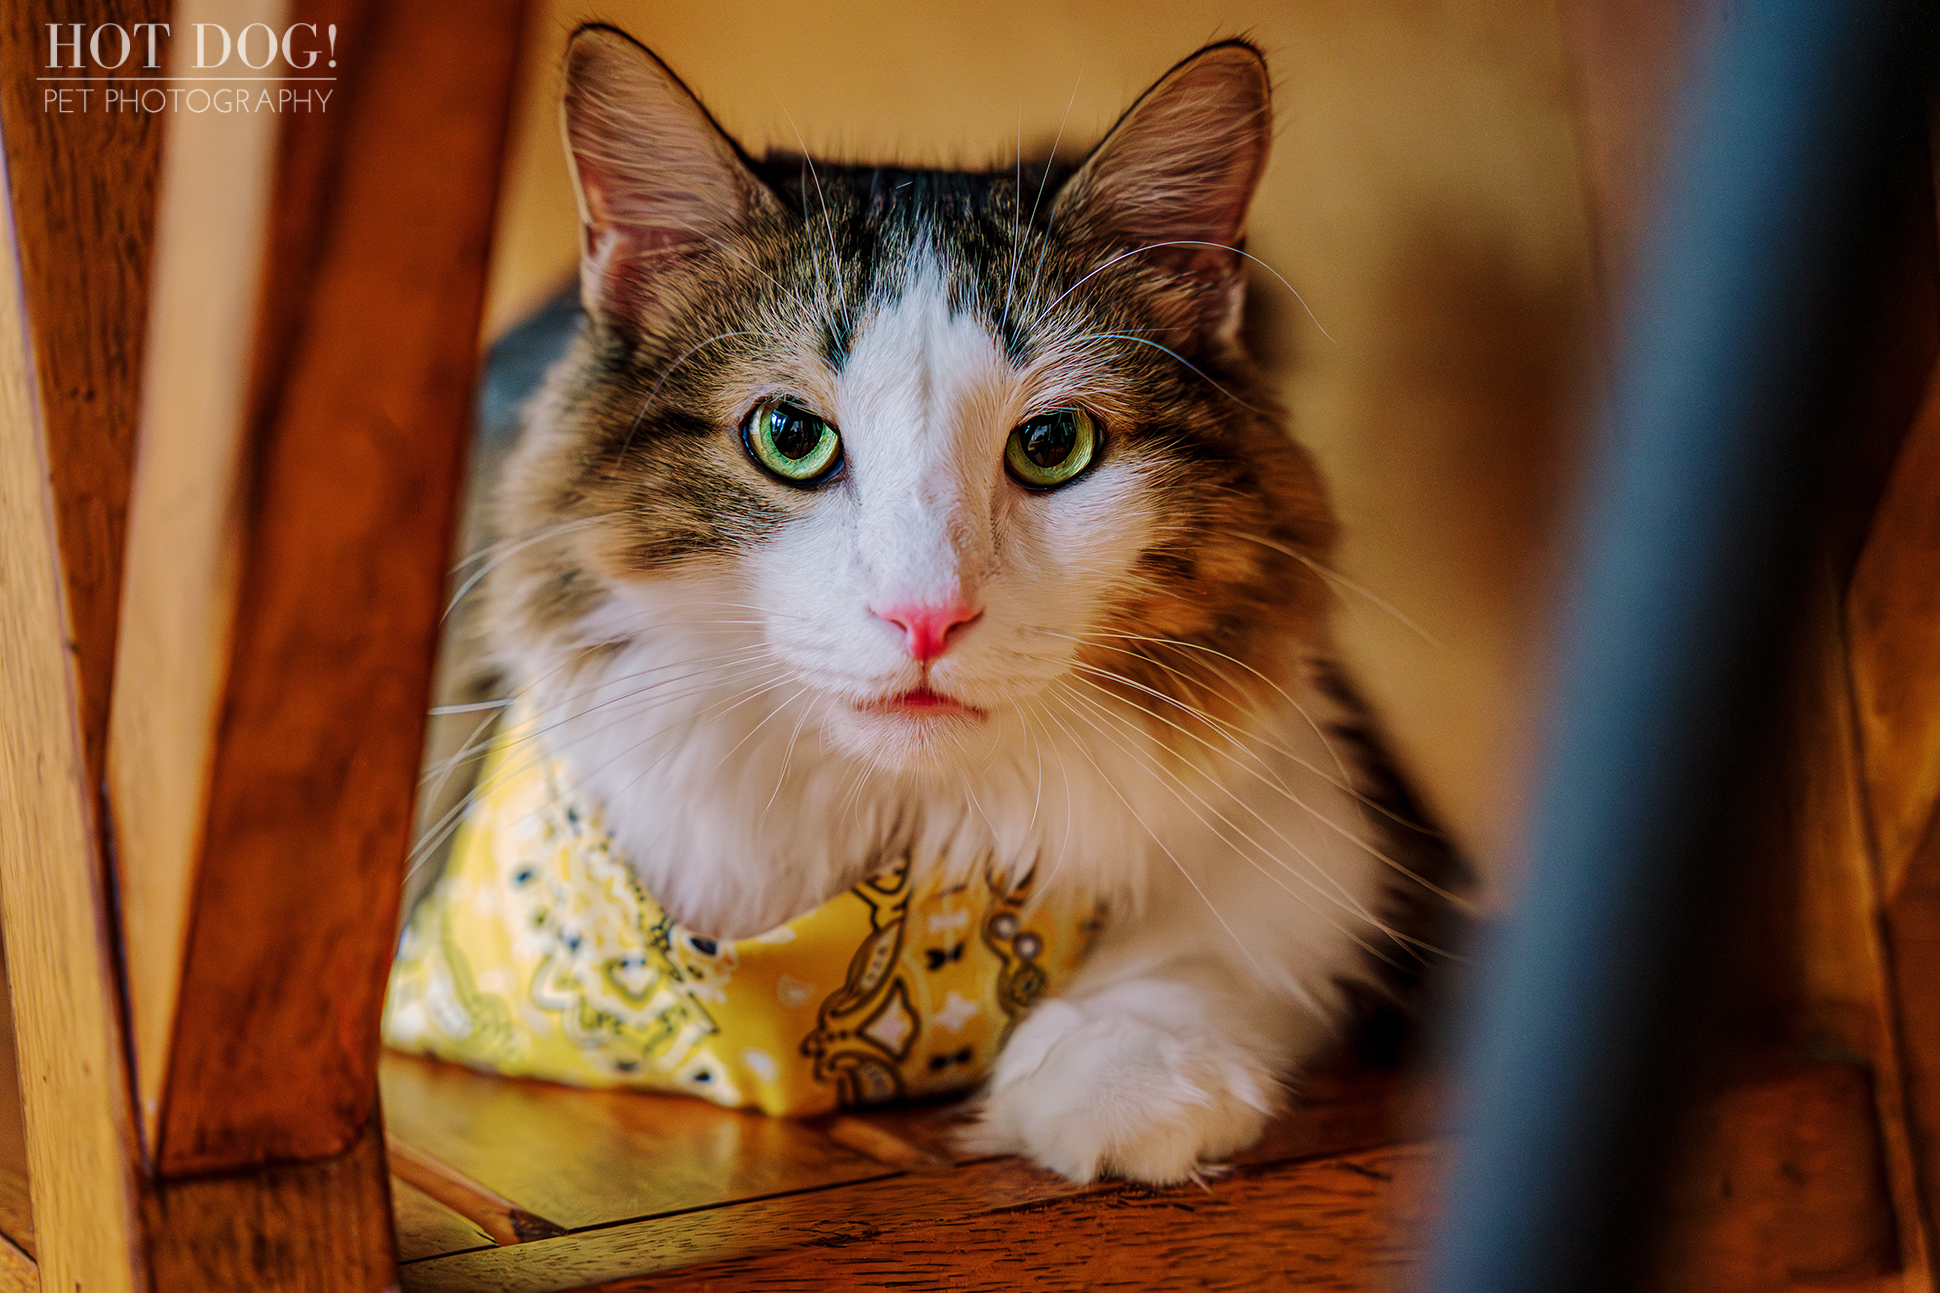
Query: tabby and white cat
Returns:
{"type": "Point", "coordinates": [881, 510]}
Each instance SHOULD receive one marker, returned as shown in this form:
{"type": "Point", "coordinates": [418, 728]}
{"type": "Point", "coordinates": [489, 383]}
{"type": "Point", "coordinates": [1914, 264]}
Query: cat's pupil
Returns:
{"type": "Point", "coordinates": [1049, 441]}
{"type": "Point", "coordinates": [795, 435]}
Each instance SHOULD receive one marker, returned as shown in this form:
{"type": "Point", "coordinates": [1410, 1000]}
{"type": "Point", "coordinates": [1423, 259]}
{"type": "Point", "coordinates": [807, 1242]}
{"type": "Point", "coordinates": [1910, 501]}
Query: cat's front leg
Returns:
{"type": "Point", "coordinates": [1173, 1047]}
{"type": "Point", "coordinates": [1146, 1078]}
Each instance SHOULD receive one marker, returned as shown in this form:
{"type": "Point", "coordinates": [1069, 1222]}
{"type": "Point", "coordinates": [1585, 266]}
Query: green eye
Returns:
{"type": "Point", "coordinates": [1053, 449]}
{"type": "Point", "coordinates": [792, 443]}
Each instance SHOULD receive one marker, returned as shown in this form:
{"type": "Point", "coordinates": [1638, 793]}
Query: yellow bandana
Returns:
{"type": "Point", "coordinates": [538, 955]}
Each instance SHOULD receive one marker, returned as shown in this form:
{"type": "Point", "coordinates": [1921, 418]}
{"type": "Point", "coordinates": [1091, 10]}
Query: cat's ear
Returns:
{"type": "Point", "coordinates": [655, 177]}
{"type": "Point", "coordinates": [1177, 173]}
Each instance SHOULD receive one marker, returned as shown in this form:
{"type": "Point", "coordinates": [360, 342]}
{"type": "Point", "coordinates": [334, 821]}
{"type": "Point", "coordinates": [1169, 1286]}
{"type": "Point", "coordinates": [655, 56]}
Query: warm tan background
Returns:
{"type": "Point", "coordinates": [1425, 197]}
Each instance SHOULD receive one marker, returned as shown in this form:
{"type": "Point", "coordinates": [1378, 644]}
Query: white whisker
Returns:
{"type": "Point", "coordinates": [1217, 915]}
{"type": "Point", "coordinates": [1175, 784]}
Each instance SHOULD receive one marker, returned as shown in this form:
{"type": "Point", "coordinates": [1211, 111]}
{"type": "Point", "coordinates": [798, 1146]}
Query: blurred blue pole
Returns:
{"type": "Point", "coordinates": [1694, 517]}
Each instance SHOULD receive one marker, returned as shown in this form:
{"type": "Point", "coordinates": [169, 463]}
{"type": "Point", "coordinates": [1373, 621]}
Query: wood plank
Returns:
{"type": "Point", "coordinates": [16, 1205]}
{"type": "Point", "coordinates": [1894, 621]}
{"type": "Point", "coordinates": [1850, 1004]}
{"type": "Point", "coordinates": [320, 1227]}
{"type": "Point", "coordinates": [1870, 735]}
{"type": "Point", "coordinates": [1330, 1223]}
{"type": "Point", "coordinates": [81, 1147]}
{"type": "Point", "coordinates": [928, 1127]}
{"type": "Point", "coordinates": [1346, 1224]}
{"type": "Point", "coordinates": [495, 1216]}
{"type": "Point", "coordinates": [334, 520]}
{"type": "Point", "coordinates": [84, 204]}
{"type": "Point", "coordinates": [1357, 1113]}
{"type": "Point", "coordinates": [184, 533]}
{"type": "Point", "coordinates": [1783, 1184]}
{"type": "Point", "coordinates": [18, 1273]}
{"type": "Point", "coordinates": [590, 1158]}
{"type": "Point", "coordinates": [1912, 920]}
{"type": "Point", "coordinates": [878, 1142]}
{"type": "Point", "coordinates": [357, 468]}
{"type": "Point", "coordinates": [427, 1228]}
{"type": "Point", "coordinates": [837, 1215]}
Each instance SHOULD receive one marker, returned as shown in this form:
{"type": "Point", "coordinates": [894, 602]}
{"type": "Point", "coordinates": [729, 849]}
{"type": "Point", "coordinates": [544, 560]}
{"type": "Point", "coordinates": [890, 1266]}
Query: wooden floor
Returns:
{"type": "Point", "coordinates": [509, 1186]}
{"type": "Point", "coordinates": [505, 1186]}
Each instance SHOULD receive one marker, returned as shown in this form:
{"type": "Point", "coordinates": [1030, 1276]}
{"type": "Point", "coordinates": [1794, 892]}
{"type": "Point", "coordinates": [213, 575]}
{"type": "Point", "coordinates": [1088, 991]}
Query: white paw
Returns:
{"type": "Point", "coordinates": [1087, 1090]}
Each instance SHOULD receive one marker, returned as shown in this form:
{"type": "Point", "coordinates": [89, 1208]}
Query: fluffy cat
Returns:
{"type": "Point", "coordinates": [883, 509]}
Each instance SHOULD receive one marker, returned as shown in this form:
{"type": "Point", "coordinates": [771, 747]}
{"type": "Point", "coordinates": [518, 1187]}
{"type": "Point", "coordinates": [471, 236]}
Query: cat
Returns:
{"type": "Point", "coordinates": [944, 513]}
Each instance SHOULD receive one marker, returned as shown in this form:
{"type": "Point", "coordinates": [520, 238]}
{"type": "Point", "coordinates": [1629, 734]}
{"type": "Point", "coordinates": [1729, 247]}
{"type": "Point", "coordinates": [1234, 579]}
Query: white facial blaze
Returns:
{"type": "Point", "coordinates": [923, 397]}
{"type": "Point", "coordinates": [925, 516]}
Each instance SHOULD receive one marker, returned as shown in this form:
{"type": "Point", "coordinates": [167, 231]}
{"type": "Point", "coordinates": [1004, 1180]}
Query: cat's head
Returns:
{"type": "Point", "coordinates": [926, 446]}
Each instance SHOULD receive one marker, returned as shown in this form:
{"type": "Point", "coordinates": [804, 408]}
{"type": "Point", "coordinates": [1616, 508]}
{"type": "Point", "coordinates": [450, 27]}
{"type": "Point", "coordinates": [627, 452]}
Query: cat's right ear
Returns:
{"type": "Point", "coordinates": [657, 180]}
{"type": "Point", "coordinates": [1172, 181]}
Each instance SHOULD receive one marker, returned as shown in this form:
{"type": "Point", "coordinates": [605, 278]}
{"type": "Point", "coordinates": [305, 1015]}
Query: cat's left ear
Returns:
{"type": "Point", "coordinates": [1176, 174]}
{"type": "Point", "coordinates": [657, 180]}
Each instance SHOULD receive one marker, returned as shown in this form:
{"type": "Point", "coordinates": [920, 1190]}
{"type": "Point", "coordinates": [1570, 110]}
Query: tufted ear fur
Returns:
{"type": "Point", "coordinates": [657, 180]}
{"type": "Point", "coordinates": [1180, 168]}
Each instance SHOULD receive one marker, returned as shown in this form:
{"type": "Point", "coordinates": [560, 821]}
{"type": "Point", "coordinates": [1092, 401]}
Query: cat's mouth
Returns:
{"type": "Point", "coordinates": [921, 702]}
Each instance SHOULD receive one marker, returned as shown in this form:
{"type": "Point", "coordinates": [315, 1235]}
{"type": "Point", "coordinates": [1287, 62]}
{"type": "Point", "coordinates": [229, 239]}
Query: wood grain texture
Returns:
{"type": "Point", "coordinates": [320, 1227]}
{"type": "Point", "coordinates": [1357, 1113]}
{"type": "Point", "coordinates": [1333, 1223]}
{"type": "Point", "coordinates": [83, 202]}
{"type": "Point", "coordinates": [1873, 770]}
{"type": "Point", "coordinates": [1783, 1185]}
{"type": "Point", "coordinates": [929, 1127]}
{"type": "Point", "coordinates": [1893, 612]}
{"type": "Point", "coordinates": [427, 1228]}
{"type": "Point", "coordinates": [589, 1158]}
{"type": "Point", "coordinates": [16, 1205]}
{"type": "Point", "coordinates": [80, 1135]}
{"type": "Point", "coordinates": [1849, 1001]}
{"type": "Point", "coordinates": [492, 1214]}
{"type": "Point", "coordinates": [837, 1215]}
{"type": "Point", "coordinates": [873, 1140]}
{"type": "Point", "coordinates": [1892, 625]}
{"type": "Point", "coordinates": [1912, 919]}
{"type": "Point", "coordinates": [357, 401]}
{"type": "Point", "coordinates": [1346, 1224]}
{"type": "Point", "coordinates": [18, 1273]}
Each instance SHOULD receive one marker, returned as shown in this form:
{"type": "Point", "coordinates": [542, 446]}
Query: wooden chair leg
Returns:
{"type": "Point", "coordinates": [81, 1145]}
{"type": "Point", "coordinates": [73, 305]}
{"type": "Point", "coordinates": [317, 275]}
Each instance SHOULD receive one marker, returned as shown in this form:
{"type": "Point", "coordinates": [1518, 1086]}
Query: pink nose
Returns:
{"type": "Point", "coordinates": [927, 629]}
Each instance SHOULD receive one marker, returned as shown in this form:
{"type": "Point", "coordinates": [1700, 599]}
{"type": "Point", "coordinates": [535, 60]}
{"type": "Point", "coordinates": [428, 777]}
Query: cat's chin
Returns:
{"type": "Point", "coordinates": [912, 732]}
